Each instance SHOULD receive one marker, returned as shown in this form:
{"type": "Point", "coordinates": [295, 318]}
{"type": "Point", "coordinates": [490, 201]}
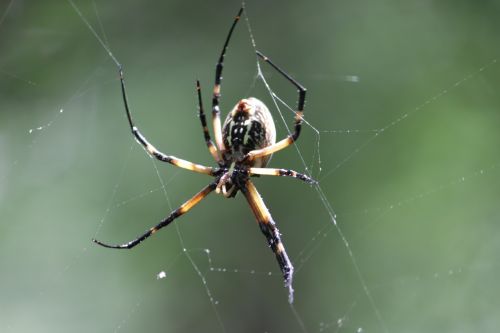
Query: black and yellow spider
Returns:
{"type": "Point", "coordinates": [243, 147]}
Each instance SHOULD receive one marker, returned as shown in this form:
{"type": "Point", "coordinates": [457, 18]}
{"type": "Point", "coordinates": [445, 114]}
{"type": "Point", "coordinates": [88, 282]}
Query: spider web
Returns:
{"type": "Point", "coordinates": [399, 235]}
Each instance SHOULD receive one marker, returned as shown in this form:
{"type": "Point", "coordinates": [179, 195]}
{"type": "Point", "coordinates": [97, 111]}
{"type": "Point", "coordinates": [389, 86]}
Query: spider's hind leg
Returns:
{"type": "Point", "coordinates": [292, 137]}
{"type": "Point", "coordinates": [152, 150]}
{"type": "Point", "coordinates": [216, 122]}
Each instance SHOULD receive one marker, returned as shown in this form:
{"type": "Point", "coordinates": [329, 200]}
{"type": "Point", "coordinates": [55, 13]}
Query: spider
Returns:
{"type": "Point", "coordinates": [243, 146]}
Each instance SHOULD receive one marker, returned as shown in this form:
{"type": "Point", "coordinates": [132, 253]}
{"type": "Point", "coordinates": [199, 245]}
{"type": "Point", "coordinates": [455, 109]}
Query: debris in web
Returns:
{"type": "Point", "coordinates": [42, 127]}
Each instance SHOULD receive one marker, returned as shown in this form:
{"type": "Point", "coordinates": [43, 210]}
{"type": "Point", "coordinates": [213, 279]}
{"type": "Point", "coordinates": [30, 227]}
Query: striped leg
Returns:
{"type": "Point", "coordinates": [218, 78]}
{"type": "Point", "coordinates": [291, 138]}
{"type": "Point", "coordinates": [281, 173]}
{"type": "Point", "coordinates": [151, 149]}
{"type": "Point", "coordinates": [208, 140]}
{"type": "Point", "coordinates": [184, 208]}
{"type": "Point", "coordinates": [269, 229]}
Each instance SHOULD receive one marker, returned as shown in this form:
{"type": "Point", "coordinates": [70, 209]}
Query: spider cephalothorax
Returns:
{"type": "Point", "coordinates": [243, 147]}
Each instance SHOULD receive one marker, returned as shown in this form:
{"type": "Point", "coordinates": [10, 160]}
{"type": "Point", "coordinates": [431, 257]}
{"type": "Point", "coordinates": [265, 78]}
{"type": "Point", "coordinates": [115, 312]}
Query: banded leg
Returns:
{"type": "Point", "coordinates": [291, 138]}
{"type": "Point", "coordinates": [281, 173]}
{"type": "Point", "coordinates": [151, 149]}
{"type": "Point", "coordinates": [208, 140]}
{"type": "Point", "coordinates": [184, 208]}
{"type": "Point", "coordinates": [218, 78]}
{"type": "Point", "coordinates": [269, 229]}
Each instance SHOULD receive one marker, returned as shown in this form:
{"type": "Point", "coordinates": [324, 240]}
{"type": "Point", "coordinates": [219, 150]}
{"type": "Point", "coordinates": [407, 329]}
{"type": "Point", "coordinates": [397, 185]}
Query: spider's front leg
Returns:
{"type": "Point", "coordinates": [269, 229]}
{"type": "Point", "coordinates": [282, 173]}
{"type": "Point", "coordinates": [183, 209]}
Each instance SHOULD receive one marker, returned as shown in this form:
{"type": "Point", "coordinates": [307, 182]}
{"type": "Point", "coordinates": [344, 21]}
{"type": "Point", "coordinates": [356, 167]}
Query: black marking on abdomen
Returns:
{"type": "Point", "coordinates": [243, 137]}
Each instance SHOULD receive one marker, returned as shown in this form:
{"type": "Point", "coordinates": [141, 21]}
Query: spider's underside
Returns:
{"type": "Point", "coordinates": [243, 146]}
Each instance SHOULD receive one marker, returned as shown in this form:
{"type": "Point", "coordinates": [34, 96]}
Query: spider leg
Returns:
{"type": "Point", "coordinates": [291, 138]}
{"type": "Point", "coordinates": [269, 229]}
{"type": "Point", "coordinates": [184, 208]}
{"type": "Point", "coordinates": [151, 149]}
{"type": "Point", "coordinates": [281, 173]}
{"type": "Point", "coordinates": [218, 78]}
{"type": "Point", "coordinates": [208, 140]}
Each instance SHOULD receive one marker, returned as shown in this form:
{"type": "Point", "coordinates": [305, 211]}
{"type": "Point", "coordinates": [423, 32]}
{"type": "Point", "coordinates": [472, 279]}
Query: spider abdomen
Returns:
{"type": "Point", "coordinates": [247, 127]}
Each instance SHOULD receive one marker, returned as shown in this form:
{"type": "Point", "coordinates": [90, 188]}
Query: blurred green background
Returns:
{"type": "Point", "coordinates": [403, 99]}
